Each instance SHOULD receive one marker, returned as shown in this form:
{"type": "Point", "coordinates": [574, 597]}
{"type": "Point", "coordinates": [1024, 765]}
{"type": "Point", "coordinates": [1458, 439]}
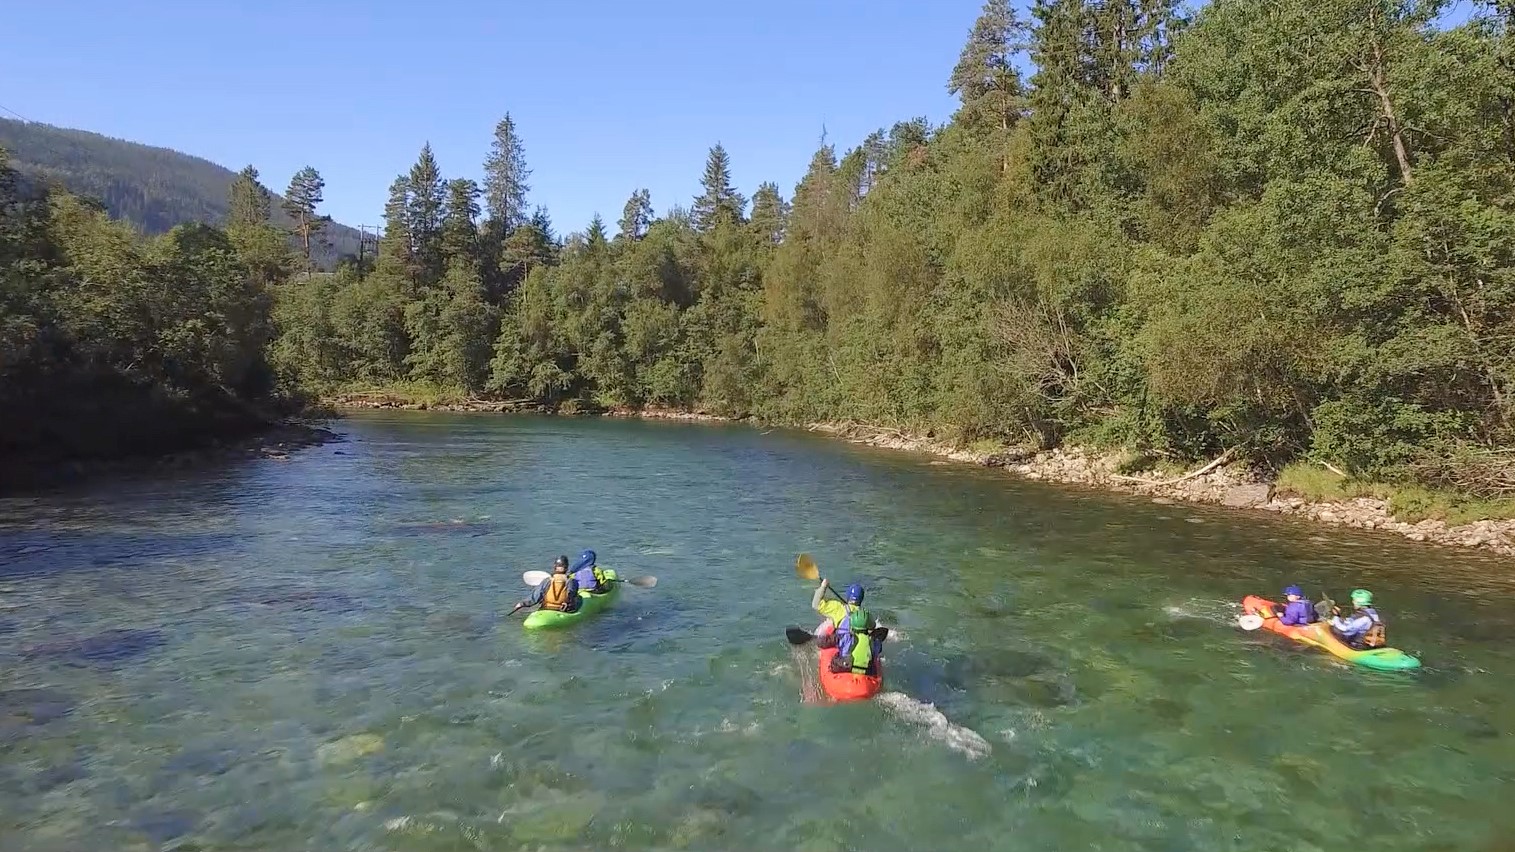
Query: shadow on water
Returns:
{"type": "Point", "coordinates": [37, 553]}
{"type": "Point", "coordinates": [105, 650]}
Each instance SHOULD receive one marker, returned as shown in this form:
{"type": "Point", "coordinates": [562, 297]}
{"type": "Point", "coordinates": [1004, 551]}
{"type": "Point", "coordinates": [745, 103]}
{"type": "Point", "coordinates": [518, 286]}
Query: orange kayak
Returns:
{"type": "Point", "coordinates": [1319, 635]}
{"type": "Point", "coordinates": [848, 686]}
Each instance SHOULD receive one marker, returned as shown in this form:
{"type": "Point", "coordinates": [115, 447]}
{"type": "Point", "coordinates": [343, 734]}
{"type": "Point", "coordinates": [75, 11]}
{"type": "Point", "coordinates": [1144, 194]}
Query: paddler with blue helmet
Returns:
{"type": "Point", "coordinates": [590, 575]}
{"type": "Point", "coordinates": [1297, 611]}
{"type": "Point", "coordinates": [847, 620]}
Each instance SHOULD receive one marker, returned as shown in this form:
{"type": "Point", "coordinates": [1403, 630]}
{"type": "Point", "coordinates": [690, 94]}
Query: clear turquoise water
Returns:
{"type": "Point", "coordinates": [309, 654]}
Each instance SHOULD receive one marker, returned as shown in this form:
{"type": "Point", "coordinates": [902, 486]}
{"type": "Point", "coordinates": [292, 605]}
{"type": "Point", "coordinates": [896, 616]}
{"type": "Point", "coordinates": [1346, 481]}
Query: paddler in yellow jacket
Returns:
{"type": "Point", "coordinates": [559, 592]}
{"type": "Point", "coordinates": [848, 620]}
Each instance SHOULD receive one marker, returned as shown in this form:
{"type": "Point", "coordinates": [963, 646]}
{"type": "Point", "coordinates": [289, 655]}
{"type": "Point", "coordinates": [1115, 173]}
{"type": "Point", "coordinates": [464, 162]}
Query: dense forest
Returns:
{"type": "Point", "coordinates": [153, 188]}
{"type": "Point", "coordinates": [1275, 229]}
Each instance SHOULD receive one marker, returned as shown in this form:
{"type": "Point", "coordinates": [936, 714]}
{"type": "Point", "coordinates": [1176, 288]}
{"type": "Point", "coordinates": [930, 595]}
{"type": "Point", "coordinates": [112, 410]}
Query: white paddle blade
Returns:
{"type": "Point", "coordinates": [1250, 621]}
{"type": "Point", "coordinates": [534, 578]}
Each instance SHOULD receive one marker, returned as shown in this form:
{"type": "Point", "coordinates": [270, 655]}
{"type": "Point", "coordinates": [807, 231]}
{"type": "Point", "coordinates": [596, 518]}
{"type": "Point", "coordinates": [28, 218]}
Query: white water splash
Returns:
{"type": "Point", "coordinates": [937, 727]}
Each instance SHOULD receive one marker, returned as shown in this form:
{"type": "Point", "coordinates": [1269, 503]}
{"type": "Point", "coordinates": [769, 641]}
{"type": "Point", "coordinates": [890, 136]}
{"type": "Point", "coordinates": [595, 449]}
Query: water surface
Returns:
{"type": "Point", "coordinates": [311, 654]}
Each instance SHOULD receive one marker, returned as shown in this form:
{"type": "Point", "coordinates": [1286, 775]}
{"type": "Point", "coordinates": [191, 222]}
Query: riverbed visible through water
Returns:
{"type": "Point", "coordinates": [313, 654]}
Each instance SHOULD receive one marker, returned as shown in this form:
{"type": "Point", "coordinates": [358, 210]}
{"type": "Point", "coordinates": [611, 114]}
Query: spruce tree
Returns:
{"type": "Point", "coordinates": [770, 213]}
{"type": "Point", "coordinates": [249, 201]}
{"type": "Point", "coordinates": [424, 217]}
{"type": "Point", "coordinates": [720, 201]}
{"type": "Point", "coordinates": [460, 235]}
{"type": "Point", "coordinates": [505, 179]}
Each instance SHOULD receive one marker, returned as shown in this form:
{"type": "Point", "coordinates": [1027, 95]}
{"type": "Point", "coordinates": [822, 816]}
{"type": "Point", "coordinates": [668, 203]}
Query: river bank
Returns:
{"type": "Point", "coordinates": [270, 441]}
{"type": "Point", "coordinates": [1216, 483]}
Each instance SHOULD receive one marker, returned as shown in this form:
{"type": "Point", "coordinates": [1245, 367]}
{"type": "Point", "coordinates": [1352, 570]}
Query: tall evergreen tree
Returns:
{"type": "Point", "coordinates": [505, 178]}
{"type": "Point", "coordinates": [424, 216]}
{"type": "Point", "coordinates": [770, 213]}
{"type": "Point", "coordinates": [300, 202]}
{"type": "Point", "coordinates": [636, 217]}
{"type": "Point", "coordinates": [720, 201]}
{"type": "Point", "coordinates": [262, 247]}
{"type": "Point", "coordinates": [460, 234]}
{"type": "Point", "coordinates": [249, 201]}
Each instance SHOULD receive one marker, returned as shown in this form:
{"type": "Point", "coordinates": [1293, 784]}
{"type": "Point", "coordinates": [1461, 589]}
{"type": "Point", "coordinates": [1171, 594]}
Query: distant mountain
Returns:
{"type": "Point", "coordinates": [153, 188]}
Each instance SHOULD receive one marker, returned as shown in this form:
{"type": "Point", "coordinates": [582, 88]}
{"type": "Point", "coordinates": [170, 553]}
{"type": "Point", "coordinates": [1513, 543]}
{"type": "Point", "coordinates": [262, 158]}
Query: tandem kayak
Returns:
{"type": "Point", "coordinates": [592, 603]}
{"type": "Point", "coordinates": [1319, 635]}
{"type": "Point", "coordinates": [847, 686]}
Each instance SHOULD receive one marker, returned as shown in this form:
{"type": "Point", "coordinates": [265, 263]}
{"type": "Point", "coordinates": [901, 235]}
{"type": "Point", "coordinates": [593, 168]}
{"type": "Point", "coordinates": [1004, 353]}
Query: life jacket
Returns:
{"type": "Point", "coordinates": [856, 644]}
{"type": "Point", "coordinates": [556, 597]}
{"type": "Point", "coordinates": [1375, 637]}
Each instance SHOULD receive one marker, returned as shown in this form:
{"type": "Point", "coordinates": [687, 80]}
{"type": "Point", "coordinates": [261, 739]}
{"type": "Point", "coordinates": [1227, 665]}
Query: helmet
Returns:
{"type": "Point", "coordinates": [855, 593]}
{"type": "Point", "coordinates": [1293, 590]}
{"type": "Point", "coordinates": [1362, 597]}
{"type": "Point", "coordinates": [560, 562]}
{"type": "Point", "coordinates": [586, 559]}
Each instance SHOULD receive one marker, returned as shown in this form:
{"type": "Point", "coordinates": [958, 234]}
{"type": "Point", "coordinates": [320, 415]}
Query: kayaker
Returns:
{"type": "Point", "coordinates": [847, 621]}
{"type": "Point", "coordinates": [559, 592]}
{"type": "Point", "coordinates": [590, 576]}
{"type": "Point", "coordinates": [1365, 628]}
{"type": "Point", "coordinates": [1298, 611]}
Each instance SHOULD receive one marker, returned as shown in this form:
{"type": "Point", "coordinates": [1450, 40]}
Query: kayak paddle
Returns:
{"type": "Point", "coordinates": [799, 636]}
{"type": "Point", "coordinates": [805, 567]}
{"type": "Point", "coordinates": [1250, 621]}
{"type": "Point", "coordinates": [535, 578]}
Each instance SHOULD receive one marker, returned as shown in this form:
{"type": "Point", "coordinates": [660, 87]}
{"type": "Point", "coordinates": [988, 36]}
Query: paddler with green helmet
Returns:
{"type": "Point", "coordinates": [1364, 629]}
{"type": "Point", "coordinates": [847, 620]}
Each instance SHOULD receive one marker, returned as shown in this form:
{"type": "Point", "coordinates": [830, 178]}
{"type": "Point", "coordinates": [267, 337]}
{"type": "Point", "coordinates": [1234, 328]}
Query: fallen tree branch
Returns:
{"type": "Point", "coordinates": [1219, 460]}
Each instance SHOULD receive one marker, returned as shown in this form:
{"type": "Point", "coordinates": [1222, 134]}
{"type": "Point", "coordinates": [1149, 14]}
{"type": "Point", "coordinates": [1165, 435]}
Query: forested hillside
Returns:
{"type": "Point", "coordinates": [1277, 230]}
{"type": "Point", "coordinates": [113, 344]}
{"type": "Point", "coordinates": [152, 188]}
{"type": "Point", "coordinates": [1274, 229]}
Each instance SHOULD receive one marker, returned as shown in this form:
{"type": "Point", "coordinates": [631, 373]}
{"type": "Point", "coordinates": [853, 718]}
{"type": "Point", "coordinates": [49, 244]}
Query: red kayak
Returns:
{"type": "Point", "coordinates": [847, 686]}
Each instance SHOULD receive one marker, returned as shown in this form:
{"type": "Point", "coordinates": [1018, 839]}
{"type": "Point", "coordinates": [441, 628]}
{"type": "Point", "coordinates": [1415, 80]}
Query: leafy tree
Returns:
{"type": "Point", "coordinates": [636, 217]}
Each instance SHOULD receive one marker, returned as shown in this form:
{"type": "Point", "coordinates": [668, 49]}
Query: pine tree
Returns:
{"type": "Point", "coordinates": [720, 201]}
{"type": "Point", "coordinates": [985, 77]}
{"type": "Point", "coordinates": [636, 217]}
{"type": "Point", "coordinates": [505, 176]}
{"type": "Point", "coordinates": [597, 237]}
{"type": "Point", "coordinates": [770, 213]}
{"type": "Point", "coordinates": [250, 202]}
{"type": "Point", "coordinates": [424, 217]}
{"type": "Point", "coordinates": [300, 202]}
{"type": "Point", "coordinates": [460, 234]}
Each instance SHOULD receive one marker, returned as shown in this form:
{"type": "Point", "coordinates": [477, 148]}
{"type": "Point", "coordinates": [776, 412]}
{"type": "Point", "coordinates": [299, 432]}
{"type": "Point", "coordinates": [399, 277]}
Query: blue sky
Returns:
{"type": "Point", "coordinates": [609, 96]}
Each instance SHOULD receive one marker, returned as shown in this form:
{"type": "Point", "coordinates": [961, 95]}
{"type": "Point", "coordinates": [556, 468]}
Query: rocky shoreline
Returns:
{"type": "Point", "coordinates": [1215, 484]}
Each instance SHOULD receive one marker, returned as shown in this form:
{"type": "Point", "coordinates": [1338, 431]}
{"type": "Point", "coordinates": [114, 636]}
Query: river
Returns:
{"type": "Point", "coordinates": [313, 654]}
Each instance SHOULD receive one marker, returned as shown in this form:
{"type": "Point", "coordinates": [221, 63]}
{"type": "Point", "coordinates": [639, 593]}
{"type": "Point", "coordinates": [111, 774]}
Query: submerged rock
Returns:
{"type": "Point", "coordinates": [349, 749]}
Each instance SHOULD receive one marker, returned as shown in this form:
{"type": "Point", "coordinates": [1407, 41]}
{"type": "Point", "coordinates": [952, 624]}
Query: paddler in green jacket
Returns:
{"type": "Point", "coordinates": [847, 621]}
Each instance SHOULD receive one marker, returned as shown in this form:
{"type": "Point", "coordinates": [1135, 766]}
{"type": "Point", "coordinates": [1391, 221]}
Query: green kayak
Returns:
{"type": "Point", "coordinates": [544, 619]}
